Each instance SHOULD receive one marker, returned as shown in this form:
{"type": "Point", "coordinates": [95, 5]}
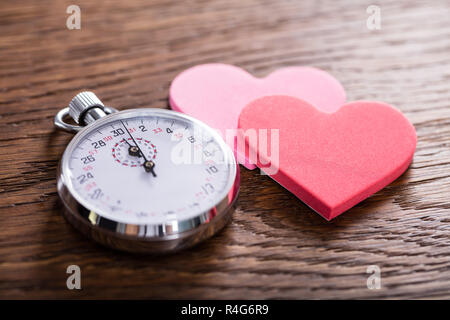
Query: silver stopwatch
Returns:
{"type": "Point", "coordinates": [144, 180]}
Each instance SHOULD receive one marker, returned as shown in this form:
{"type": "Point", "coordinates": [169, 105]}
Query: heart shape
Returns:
{"type": "Point", "coordinates": [217, 93]}
{"type": "Point", "coordinates": [331, 161]}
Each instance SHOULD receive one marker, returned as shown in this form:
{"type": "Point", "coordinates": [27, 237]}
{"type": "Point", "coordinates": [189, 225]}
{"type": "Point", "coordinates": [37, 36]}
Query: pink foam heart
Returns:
{"type": "Point", "coordinates": [217, 93]}
{"type": "Point", "coordinates": [331, 161]}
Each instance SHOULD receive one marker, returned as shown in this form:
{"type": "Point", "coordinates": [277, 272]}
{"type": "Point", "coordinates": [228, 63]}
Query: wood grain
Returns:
{"type": "Point", "coordinates": [129, 51]}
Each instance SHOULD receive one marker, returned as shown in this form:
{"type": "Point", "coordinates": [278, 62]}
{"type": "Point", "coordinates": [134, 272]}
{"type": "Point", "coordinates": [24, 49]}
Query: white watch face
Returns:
{"type": "Point", "coordinates": [148, 167]}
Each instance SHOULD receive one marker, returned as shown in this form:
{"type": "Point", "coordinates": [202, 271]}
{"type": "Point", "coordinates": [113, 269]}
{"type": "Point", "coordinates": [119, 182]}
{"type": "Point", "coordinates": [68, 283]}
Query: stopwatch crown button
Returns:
{"type": "Point", "coordinates": [81, 103]}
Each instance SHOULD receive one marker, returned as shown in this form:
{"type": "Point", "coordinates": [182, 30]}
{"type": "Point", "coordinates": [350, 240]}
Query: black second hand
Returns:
{"type": "Point", "coordinates": [151, 164]}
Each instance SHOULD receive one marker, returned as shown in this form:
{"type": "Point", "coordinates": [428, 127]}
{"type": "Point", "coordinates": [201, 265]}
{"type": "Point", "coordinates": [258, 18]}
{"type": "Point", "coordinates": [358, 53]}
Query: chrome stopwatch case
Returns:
{"type": "Point", "coordinates": [144, 180]}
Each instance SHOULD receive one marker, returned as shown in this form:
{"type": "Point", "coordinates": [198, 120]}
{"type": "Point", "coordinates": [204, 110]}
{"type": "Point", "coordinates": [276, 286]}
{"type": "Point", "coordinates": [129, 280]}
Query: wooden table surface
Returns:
{"type": "Point", "coordinates": [276, 247]}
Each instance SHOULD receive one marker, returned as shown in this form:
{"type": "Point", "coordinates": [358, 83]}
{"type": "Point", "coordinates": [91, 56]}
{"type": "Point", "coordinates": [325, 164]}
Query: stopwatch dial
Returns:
{"type": "Point", "coordinates": [128, 153]}
{"type": "Point", "coordinates": [148, 169]}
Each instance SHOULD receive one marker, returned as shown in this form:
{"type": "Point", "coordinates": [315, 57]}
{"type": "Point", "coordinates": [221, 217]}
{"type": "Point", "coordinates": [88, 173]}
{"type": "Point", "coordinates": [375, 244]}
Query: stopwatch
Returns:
{"type": "Point", "coordinates": [144, 180]}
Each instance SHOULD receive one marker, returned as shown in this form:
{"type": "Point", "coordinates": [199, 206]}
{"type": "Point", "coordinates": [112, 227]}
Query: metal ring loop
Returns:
{"type": "Point", "coordinates": [63, 113]}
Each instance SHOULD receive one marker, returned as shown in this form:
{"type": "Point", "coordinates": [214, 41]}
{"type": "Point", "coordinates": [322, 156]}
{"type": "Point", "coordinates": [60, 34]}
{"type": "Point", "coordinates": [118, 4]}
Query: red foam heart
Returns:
{"type": "Point", "coordinates": [332, 161]}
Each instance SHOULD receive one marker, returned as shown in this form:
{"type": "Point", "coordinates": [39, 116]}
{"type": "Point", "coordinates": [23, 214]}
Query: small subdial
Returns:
{"type": "Point", "coordinates": [128, 154]}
